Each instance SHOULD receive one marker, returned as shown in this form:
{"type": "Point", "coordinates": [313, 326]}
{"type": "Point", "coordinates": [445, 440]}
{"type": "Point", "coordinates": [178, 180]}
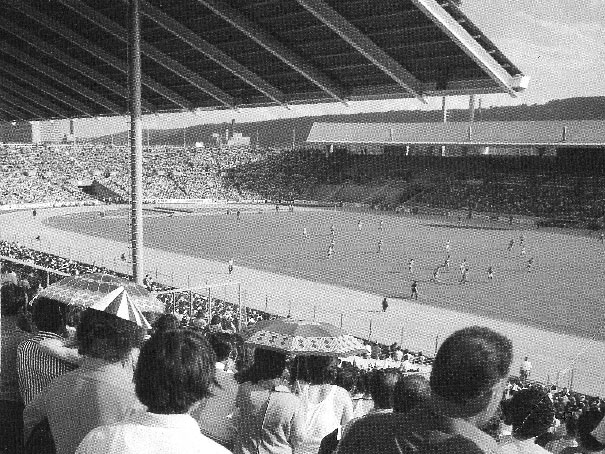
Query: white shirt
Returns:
{"type": "Point", "coordinates": [150, 433]}
{"type": "Point", "coordinates": [523, 447]}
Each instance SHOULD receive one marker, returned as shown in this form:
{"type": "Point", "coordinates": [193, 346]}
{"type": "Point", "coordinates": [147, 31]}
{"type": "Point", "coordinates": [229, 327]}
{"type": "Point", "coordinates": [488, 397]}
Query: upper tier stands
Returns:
{"type": "Point", "coordinates": [545, 187]}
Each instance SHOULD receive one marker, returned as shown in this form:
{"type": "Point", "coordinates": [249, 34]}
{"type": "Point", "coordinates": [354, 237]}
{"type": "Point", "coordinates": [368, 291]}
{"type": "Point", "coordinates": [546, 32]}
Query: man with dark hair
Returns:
{"type": "Point", "coordinates": [531, 413]}
{"type": "Point", "coordinates": [468, 377]}
{"type": "Point", "coordinates": [100, 391]}
{"type": "Point", "coordinates": [410, 391]}
{"type": "Point", "coordinates": [175, 371]}
{"type": "Point", "coordinates": [215, 416]}
{"type": "Point", "coordinates": [36, 368]}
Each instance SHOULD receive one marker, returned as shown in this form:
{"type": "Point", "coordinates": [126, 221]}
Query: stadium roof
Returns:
{"type": "Point", "coordinates": [585, 133]}
{"type": "Point", "coordinates": [68, 58]}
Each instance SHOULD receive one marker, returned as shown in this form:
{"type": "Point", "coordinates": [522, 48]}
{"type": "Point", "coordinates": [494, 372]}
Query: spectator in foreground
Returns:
{"type": "Point", "coordinates": [410, 392]}
{"type": "Point", "coordinates": [270, 418]}
{"type": "Point", "coordinates": [327, 406]}
{"type": "Point", "coordinates": [37, 368]}
{"type": "Point", "coordinates": [382, 389]}
{"type": "Point", "coordinates": [175, 371]}
{"type": "Point", "coordinates": [215, 415]}
{"type": "Point", "coordinates": [11, 403]}
{"type": "Point", "coordinates": [100, 391]}
{"type": "Point", "coordinates": [468, 377]}
{"type": "Point", "coordinates": [589, 426]}
{"type": "Point", "coordinates": [531, 413]}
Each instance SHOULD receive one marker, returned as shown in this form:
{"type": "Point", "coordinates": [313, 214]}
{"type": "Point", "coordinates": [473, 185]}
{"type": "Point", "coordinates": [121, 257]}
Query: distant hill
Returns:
{"type": "Point", "coordinates": [283, 132]}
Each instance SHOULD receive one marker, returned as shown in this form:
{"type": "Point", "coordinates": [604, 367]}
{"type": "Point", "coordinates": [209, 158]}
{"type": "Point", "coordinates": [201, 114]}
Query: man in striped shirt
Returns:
{"type": "Point", "coordinates": [35, 367]}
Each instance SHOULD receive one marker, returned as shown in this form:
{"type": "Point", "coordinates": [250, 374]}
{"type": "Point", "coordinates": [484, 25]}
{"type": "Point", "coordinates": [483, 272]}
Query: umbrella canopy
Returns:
{"type": "Point", "coordinates": [120, 304]}
{"type": "Point", "coordinates": [88, 289]}
{"type": "Point", "coordinates": [302, 337]}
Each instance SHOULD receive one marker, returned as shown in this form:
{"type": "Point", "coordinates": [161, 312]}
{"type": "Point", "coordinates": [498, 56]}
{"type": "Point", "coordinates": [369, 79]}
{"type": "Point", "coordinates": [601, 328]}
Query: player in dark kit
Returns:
{"type": "Point", "coordinates": [385, 304]}
{"type": "Point", "coordinates": [414, 290]}
{"type": "Point", "coordinates": [490, 273]}
{"type": "Point", "coordinates": [510, 245]}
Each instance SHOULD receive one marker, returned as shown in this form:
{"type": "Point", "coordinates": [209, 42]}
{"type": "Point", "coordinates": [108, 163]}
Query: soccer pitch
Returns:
{"type": "Point", "coordinates": [562, 294]}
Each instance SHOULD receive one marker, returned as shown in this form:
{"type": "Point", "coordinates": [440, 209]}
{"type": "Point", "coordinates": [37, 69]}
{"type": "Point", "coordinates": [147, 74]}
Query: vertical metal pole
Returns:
{"type": "Point", "coordinates": [444, 118]}
{"type": "Point", "coordinates": [209, 306]}
{"type": "Point", "coordinates": [136, 140]}
{"type": "Point", "coordinates": [239, 304]}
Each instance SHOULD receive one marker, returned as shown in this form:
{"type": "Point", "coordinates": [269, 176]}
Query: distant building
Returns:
{"type": "Point", "coordinates": [238, 140]}
{"type": "Point", "coordinates": [510, 138]}
{"type": "Point", "coordinates": [38, 132]}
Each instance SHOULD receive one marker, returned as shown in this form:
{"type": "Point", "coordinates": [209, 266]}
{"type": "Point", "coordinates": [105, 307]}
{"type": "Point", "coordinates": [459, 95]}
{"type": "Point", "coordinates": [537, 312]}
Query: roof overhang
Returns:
{"type": "Point", "coordinates": [68, 58]}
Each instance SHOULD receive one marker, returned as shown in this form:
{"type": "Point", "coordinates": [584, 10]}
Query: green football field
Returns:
{"type": "Point", "coordinates": [562, 293]}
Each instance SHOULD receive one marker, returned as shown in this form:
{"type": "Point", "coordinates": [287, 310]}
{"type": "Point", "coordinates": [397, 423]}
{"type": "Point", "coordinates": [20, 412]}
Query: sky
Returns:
{"type": "Point", "coordinates": [559, 44]}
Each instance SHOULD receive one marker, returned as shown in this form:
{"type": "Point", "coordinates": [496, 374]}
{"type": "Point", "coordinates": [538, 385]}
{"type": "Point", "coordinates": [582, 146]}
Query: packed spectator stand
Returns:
{"type": "Point", "coordinates": [546, 188]}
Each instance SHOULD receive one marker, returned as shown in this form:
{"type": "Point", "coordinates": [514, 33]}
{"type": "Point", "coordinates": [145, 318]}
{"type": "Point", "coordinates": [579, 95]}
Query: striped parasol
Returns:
{"type": "Point", "coordinates": [88, 289]}
{"type": "Point", "coordinates": [302, 337]}
{"type": "Point", "coordinates": [120, 304]}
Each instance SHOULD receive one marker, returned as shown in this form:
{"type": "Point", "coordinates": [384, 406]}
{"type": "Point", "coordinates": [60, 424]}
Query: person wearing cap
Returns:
{"type": "Point", "coordinates": [101, 390]}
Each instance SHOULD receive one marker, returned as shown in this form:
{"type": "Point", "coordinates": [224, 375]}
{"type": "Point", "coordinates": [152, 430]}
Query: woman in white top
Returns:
{"type": "Point", "coordinates": [327, 407]}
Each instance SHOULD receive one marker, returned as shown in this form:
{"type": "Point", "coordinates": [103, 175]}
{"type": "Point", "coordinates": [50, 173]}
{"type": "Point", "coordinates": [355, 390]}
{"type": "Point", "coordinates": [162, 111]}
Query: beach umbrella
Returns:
{"type": "Point", "coordinates": [86, 290]}
{"type": "Point", "coordinates": [302, 337]}
{"type": "Point", "coordinates": [120, 304]}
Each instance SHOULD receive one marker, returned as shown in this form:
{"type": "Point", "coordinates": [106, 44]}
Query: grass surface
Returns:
{"type": "Point", "coordinates": [563, 292]}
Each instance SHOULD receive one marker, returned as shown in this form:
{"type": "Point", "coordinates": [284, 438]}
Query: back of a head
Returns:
{"type": "Point", "coordinates": [221, 345]}
{"type": "Point", "coordinates": [175, 369]}
{"type": "Point", "coordinates": [530, 412]}
{"type": "Point", "coordinates": [49, 315]}
{"type": "Point", "coordinates": [346, 378]}
{"type": "Point", "coordinates": [267, 365]}
{"type": "Point", "coordinates": [316, 370]}
{"type": "Point", "coordinates": [166, 322]}
{"type": "Point", "coordinates": [382, 387]}
{"type": "Point", "coordinates": [469, 363]}
{"type": "Point", "coordinates": [10, 301]}
{"type": "Point", "coordinates": [106, 336]}
{"type": "Point", "coordinates": [410, 391]}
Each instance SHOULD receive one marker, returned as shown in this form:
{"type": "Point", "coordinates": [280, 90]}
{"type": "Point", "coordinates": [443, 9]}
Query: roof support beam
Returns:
{"type": "Point", "coordinates": [365, 46]}
{"type": "Point", "coordinates": [152, 52]}
{"type": "Point", "coordinates": [18, 102]}
{"type": "Point", "coordinates": [34, 97]}
{"type": "Point", "coordinates": [469, 45]}
{"type": "Point", "coordinates": [41, 86]}
{"type": "Point", "coordinates": [15, 113]}
{"type": "Point", "coordinates": [212, 52]}
{"type": "Point", "coordinates": [62, 57]}
{"type": "Point", "coordinates": [61, 78]}
{"type": "Point", "coordinates": [98, 52]}
{"type": "Point", "coordinates": [272, 45]}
